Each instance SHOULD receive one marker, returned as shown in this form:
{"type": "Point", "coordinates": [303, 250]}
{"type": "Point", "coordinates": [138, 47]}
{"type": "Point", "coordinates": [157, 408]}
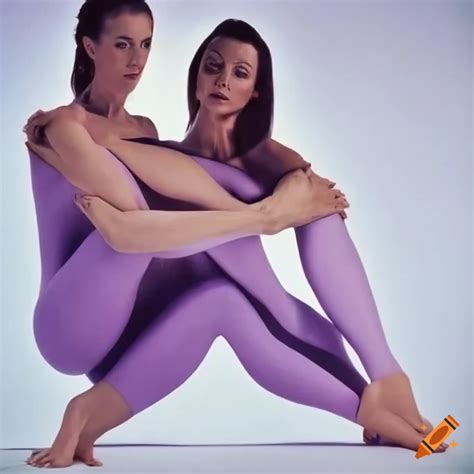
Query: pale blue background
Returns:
{"type": "Point", "coordinates": [377, 95]}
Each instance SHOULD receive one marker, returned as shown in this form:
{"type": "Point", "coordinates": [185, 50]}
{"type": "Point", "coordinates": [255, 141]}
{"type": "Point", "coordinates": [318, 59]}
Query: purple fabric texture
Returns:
{"type": "Point", "coordinates": [144, 322]}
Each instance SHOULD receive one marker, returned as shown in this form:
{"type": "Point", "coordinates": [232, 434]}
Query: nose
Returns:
{"type": "Point", "coordinates": [223, 80]}
{"type": "Point", "coordinates": [138, 58]}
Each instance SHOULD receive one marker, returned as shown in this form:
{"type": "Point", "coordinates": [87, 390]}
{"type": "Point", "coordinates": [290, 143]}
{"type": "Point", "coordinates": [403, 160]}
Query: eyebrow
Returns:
{"type": "Point", "coordinates": [237, 62]}
{"type": "Point", "coordinates": [131, 39]}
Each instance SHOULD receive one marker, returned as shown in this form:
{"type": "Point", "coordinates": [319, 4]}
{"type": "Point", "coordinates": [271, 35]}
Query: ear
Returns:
{"type": "Point", "coordinates": [88, 46]}
{"type": "Point", "coordinates": [254, 94]}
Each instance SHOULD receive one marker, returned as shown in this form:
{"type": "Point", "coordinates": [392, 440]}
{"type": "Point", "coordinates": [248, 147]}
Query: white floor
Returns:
{"type": "Point", "coordinates": [275, 458]}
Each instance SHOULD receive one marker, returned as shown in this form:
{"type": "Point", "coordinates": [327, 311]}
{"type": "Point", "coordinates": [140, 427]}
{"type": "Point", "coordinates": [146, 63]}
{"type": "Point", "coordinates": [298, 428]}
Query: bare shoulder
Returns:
{"type": "Point", "coordinates": [147, 125]}
{"type": "Point", "coordinates": [71, 112]}
{"type": "Point", "coordinates": [275, 158]}
{"type": "Point", "coordinates": [289, 158]}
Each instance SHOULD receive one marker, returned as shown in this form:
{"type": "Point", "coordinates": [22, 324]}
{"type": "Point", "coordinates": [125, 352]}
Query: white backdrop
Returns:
{"type": "Point", "coordinates": [377, 96]}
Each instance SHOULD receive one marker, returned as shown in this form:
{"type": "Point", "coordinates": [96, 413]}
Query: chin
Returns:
{"type": "Point", "coordinates": [219, 107]}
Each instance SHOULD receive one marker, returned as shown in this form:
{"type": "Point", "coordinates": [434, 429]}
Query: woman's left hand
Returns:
{"type": "Point", "coordinates": [330, 184]}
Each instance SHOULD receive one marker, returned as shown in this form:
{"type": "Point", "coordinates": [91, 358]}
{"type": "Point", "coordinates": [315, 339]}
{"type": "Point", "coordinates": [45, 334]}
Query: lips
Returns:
{"type": "Point", "coordinates": [132, 76]}
{"type": "Point", "coordinates": [219, 95]}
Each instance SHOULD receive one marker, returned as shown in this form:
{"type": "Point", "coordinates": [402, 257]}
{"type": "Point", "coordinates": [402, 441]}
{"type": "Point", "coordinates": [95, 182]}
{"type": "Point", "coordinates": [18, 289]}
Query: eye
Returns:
{"type": "Point", "coordinates": [242, 73]}
{"type": "Point", "coordinates": [147, 44]}
{"type": "Point", "coordinates": [212, 66]}
{"type": "Point", "coordinates": [121, 45]}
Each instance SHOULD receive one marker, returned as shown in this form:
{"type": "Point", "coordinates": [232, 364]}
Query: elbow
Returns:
{"type": "Point", "coordinates": [118, 242]}
{"type": "Point", "coordinates": [116, 234]}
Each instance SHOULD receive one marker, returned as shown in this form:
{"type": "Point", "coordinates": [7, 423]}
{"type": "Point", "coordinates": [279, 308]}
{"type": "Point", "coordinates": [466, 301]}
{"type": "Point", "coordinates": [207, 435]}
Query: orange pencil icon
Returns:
{"type": "Point", "coordinates": [436, 437]}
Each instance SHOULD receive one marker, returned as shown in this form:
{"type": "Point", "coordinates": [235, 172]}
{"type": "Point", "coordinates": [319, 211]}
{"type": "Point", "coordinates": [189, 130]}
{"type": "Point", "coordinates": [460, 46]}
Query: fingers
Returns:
{"type": "Point", "coordinates": [33, 133]}
{"type": "Point", "coordinates": [31, 122]}
{"type": "Point", "coordinates": [33, 116]}
{"type": "Point", "coordinates": [34, 147]}
{"type": "Point", "coordinates": [34, 127]}
{"type": "Point", "coordinates": [319, 179]}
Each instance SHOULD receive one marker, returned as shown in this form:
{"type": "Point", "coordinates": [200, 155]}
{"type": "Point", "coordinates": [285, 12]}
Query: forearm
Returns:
{"type": "Point", "coordinates": [187, 232]}
{"type": "Point", "coordinates": [91, 167]}
{"type": "Point", "coordinates": [174, 174]}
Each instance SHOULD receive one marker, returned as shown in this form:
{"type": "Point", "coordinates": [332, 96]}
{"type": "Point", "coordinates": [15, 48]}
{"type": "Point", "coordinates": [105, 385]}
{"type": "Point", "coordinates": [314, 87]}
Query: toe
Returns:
{"type": "Point", "coordinates": [44, 460]}
{"type": "Point", "coordinates": [94, 462]}
{"type": "Point", "coordinates": [38, 456]}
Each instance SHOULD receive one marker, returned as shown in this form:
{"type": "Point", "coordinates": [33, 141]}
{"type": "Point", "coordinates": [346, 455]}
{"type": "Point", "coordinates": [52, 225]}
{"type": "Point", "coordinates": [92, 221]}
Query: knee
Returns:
{"type": "Point", "coordinates": [61, 359]}
{"type": "Point", "coordinates": [62, 352]}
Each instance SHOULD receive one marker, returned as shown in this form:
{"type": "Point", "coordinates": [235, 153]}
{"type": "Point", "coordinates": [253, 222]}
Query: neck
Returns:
{"type": "Point", "coordinates": [99, 100]}
{"type": "Point", "coordinates": [211, 135]}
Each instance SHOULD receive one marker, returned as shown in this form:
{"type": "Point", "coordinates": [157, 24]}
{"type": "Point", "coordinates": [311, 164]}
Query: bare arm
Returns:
{"type": "Point", "coordinates": [89, 166]}
{"type": "Point", "coordinates": [172, 234]}
{"type": "Point", "coordinates": [174, 174]}
{"type": "Point", "coordinates": [184, 233]}
{"type": "Point", "coordinates": [79, 135]}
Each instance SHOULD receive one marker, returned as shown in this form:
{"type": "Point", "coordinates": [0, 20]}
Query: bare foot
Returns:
{"type": "Point", "coordinates": [395, 394]}
{"type": "Point", "coordinates": [394, 429]}
{"type": "Point", "coordinates": [105, 409]}
{"type": "Point", "coordinates": [106, 219]}
{"type": "Point", "coordinates": [61, 453]}
{"type": "Point", "coordinates": [371, 438]}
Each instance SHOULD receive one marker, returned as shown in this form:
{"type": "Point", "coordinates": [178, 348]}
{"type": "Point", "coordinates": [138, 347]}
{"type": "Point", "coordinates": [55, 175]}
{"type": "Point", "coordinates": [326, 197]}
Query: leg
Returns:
{"type": "Point", "coordinates": [263, 285]}
{"type": "Point", "coordinates": [336, 274]}
{"type": "Point", "coordinates": [86, 305]}
{"type": "Point", "coordinates": [304, 323]}
{"type": "Point", "coordinates": [151, 369]}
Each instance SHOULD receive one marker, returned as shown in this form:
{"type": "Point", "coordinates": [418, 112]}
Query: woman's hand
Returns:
{"type": "Point", "coordinates": [98, 127]}
{"type": "Point", "coordinates": [301, 197]}
{"type": "Point", "coordinates": [37, 122]}
{"type": "Point", "coordinates": [319, 180]}
{"type": "Point", "coordinates": [35, 125]}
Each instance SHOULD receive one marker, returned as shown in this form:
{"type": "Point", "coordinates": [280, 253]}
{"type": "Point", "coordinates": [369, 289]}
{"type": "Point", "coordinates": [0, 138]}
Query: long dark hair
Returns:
{"type": "Point", "coordinates": [254, 122]}
{"type": "Point", "coordinates": [91, 19]}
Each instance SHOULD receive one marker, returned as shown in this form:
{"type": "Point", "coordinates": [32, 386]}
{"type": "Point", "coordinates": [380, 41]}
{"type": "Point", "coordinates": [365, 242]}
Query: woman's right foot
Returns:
{"type": "Point", "coordinates": [377, 419]}
{"type": "Point", "coordinates": [396, 395]}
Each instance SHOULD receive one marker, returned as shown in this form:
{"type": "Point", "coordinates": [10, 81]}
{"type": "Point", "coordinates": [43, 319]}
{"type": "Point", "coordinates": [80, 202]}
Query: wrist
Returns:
{"type": "Point", "coordinates": [271, 221]}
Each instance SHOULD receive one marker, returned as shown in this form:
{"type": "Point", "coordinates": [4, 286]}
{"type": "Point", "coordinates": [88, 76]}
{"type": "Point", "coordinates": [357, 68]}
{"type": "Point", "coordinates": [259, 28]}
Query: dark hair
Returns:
{"type": "Point", "coordinates": [254, 122]}
{"type": "Point", "coordinates": [91, 19]}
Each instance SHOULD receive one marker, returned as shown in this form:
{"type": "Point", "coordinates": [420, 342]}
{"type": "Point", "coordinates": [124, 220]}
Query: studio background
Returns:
{"type": "Point", "coordinates": [377, 95]}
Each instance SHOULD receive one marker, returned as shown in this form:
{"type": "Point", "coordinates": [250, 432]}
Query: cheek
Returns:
{"type": "Point", "coordinates": [243, 92]}
{"type": "Point", "coordinates": [109, 61]}
{"type": "Point", "coordinates": [202, 86]}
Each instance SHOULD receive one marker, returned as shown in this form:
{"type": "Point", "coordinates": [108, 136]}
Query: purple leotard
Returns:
{"type": "Point", "coordinates": [144, 322]}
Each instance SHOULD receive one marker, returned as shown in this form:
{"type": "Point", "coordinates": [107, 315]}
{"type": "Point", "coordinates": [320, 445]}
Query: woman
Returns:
{"type": "Point", "coordinates": [100, 217]}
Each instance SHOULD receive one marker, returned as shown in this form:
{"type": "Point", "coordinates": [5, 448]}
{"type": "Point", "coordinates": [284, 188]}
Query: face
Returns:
{"type": "Point", "coordinates": [121, 52]}
{"type": "Point", "coordinates": [227, 76]}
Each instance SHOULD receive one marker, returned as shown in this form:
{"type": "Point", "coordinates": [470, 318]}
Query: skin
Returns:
{"type": "Point", "coordinates": [228, 67]}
